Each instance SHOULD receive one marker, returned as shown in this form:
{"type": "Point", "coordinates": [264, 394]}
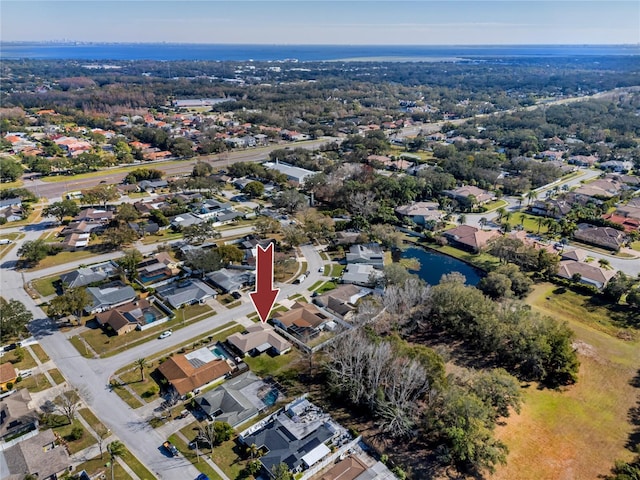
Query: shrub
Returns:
{"type": "Point", "coordinates": [9, 385]}
{"type": "Point", "coordinates": [76, 433]}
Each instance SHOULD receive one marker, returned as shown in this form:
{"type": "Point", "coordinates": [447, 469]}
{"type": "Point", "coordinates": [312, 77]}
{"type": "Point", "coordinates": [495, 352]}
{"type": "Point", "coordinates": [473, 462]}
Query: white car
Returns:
{"type": "Point", "coordinates": [165, 334]}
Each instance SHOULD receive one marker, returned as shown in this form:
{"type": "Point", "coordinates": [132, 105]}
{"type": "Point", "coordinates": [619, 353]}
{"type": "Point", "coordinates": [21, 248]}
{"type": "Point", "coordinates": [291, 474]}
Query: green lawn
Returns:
{"type": "Point", "coordinates": [316, 285]}
{"type": "Point", "coordinates": [191, 455]}
{"type": "Point", "coordinates": [34, 383]}
{"type": "Point", "coordinates": [4, 249]}
{"type": "Point", "coordinates": [496, 204]}
{"type": "Point", "coordinates": [126, 396]}
{"type": "Point", "coordinates": [96, 467]}
{"type": "Point", "coordinates": [324, 287]}
{"type": "Point", "coordinates": [45, 286]}
{"type": "Point", "coordinates": [164, 236]}
{"type": "Point", "coordinates": [64, 257]}
{"type": "Point", "coordinates": [40, 353]}
{"type": "Point", "coordinates": [265, 364]}
{"type": "Point", "coordinates": [556, 427]}
{"type": "Point", "coordinates": [336, 270]}
{"type": "Point", "coordinates": [91, 419]}
{"type": "Point", "coordinates": [26, 362]}
{"type": "Point", "coordinates": [74, 445]}
{"type": "Point", "coordinates": [56, 376]}
{"type": "Point", "coordinates": [529, 222]}
{"type": "Point", "coordinates": [138, 468]}
{"type": "Point", "coordinates": [636, 246]}
{"type": "Point", "coordinates": [80, 346]}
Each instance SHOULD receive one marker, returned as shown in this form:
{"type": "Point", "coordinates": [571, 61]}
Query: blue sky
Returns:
{"type": "Point", "coordinates": [417, 22]}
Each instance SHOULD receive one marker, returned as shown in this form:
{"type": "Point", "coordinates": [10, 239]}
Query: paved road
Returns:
{"type": "Point", "coordinates": [55, 190]}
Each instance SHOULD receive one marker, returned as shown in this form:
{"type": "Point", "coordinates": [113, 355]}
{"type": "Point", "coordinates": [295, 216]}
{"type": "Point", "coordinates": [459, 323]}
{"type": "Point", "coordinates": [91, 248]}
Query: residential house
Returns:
{"type": "Point", "coordinates": [8, 375]}
{"type": "Point", "coordinates": [217, 212]}
{"type": "Point", "coordinates": [587, 273]}
{"type": "Point", "coordinates": [370, 253]}
{"type": "Point", "coordinates": [94, 215]}
{"type": "Point", "coordinates": [11, 209]}
{"type": "Point", "coordinates": [601, 188]}
{"type": "Point", "coordinates": [187, 292]}
{"type": "Point", "coordinates": [583, 160]}
{"type": "Point", "coordinates": [296, 175]}
{"type": "Point", "coordinates": [133, 315]}
{"type": "Point", "coordinates": [605, 237]}
{"type": "Point", "coordinates": [151, 186]}
{"type": "Point", "coordinates": [194, 370]}
{"type": "Point", "coordinates": [76, 241]}
{"type": "Point", "coordinates": [184, 220]}
{"type": "Point", "coordinates": [341, 300]}
{"type": "Point", "coordinates": [16, 416]}
{"type": "Point", "coordinates": [231, 280]}
{"type": "Point", "coordinates": [297, 436]}
{"type": "Point", "coordinates": [577, 255]}
{"type": "Point", "coordinates": [470, 194]}
{"type": "Point", "coordinates": [421, 213]}
{"type": "Point", "coordinates": [362, 274]}
{"type": "Point", "coordinates": [157, 270]}
{"type": "Point", "coordinates": [144, 228]}
{"type": "Point", "coordinates": [40, 456]}
{"type": "Point", "coordinates": [629, 224]}
{"type": "Point", "coordinates": [354, 468]}
{"type": "Point", "coordinates": [304, 320]}
{"type": "Point", "coordinates": [256, 339]}
{"type": "Point", "coordinates": [555, 208]}
{"type": "Point", "coordinates": [237, 400]}
{"type": "Point", "coordinates": [469, 238]}
{"type": "Point", "coordinates": [84, 276]}
{"type": "Point", "coordinates": [616, 166]}
{"type": "Point", "coordinates": [109, 296]}
{"type": "Point", "coordinates": [347, 237]}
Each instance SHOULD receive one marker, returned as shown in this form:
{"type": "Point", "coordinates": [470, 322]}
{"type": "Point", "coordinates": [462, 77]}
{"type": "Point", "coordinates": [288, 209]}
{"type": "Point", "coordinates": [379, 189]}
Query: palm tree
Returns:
{"type": "Point", "coordinates": [116, 449]}
{"type": "Point", "coordinates": [462, 219]}
{"type": "Point", "coordinates": [532, 195]}
{"type": "Point", "coordinates": [507, 216]}
{"type": "Point", "coordinates": [483, 222]}
{"type": "Point", "coordinates": [141, 364]}
{"type": "Point", "coordinates": [501, 213]}
{"type": "Point", "coordinates": [540, 221]}
{"type": "Point", "coordinates": [253, 451]}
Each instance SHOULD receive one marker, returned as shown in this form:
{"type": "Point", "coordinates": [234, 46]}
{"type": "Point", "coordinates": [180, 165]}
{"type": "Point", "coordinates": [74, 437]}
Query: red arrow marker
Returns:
{"type": "Point", "coordinates": [265, 295]}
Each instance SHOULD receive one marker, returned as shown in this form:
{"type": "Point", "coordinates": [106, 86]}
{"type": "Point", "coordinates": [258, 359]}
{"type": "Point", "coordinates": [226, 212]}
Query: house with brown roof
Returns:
{"type": "Point", "coordinates": [258, 338]}
{"type": "Point", "coordinates": [470, 192]}
{"type": "Point", "coordinates": [40, 456]}
{"type": "Point", "coordinates": [341, 300]}
{"type": "Point", "coordinates": [420, 213]}
{"type": "Point", "coordinates": [469, 238]}
{"type": "Point", "coordinates": [194, 370]}
{"type": "Point", "coordinates": [131, 316]}
{"type": "Point", "coordinates": [8, 374]}
{"type": "Point", "coordinates": [586, 273]}
{"type": "Point", "coordinates": [304, 320]}
{"type": "Point", "coordinates": [629, 224]}
{"type": "Point", "coordinates": [605, 237]}
{"type": "Point", "coordinates": [16, 416]}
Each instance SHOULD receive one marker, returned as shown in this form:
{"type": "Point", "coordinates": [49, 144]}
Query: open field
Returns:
{"type": "Point", "coordinates": [579, 431]}
{"type": "Point", "coordinates": [529, 222]}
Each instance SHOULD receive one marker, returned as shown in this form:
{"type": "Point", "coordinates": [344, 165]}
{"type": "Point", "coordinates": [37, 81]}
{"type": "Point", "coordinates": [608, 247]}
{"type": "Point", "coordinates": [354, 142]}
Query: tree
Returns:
{"type": "Point", "coordinates": [72, 302]}
{"type": "Point", "coordinates": [498, 389]}
{"type": "Point", "coordinates": [202, 169]}
{"type": "Point", "coordinates": [230, 253]}
{"type": "Point", "coordinates": [120, 235]}
{"type": "Point", "coordinates": [127, 213]}
{"type": "Point", "coordinates": [483, 222]}
{"type": "Point", "coordinates": [67, 404]}
{"type": "Point", "coordinates": [59, 210]}
{"type": "Point", "coordinates": [633, 298]}
{"type": "Point", "coordinates": [159, 217]}
{"type": "Point", "coordinates": [32, 251]}
{"type": "Point", "coordinates": [102, 433]}
{"type": "Point", "coordinates": [141, 364]}
{"type": "Point", "coordinates": [129, 262]}
{"type": "Point", "coordinates": [116, 449]}
{"type": "Point", "coordinates": [14, 317]}
{"type": "Point", "coordinates": [396, 274]}
{"type": "Point", "coordinates": [495, 285]}
{"type": "Point", "coordinates": [254, 189]}
{"type": "Point", "coordinates": [266, 225]}
{"type": "Point", "coordinates": [200, 232]}
{"type": "Point", "coordinates": [462, 219]}
{"type": "Point", "coordinates": [293, 235]}
{"type": "Point", "coordinates": [253, 451]}
{"type": "Point", "coordinates": [10, 170]}
{"type": "Point", "coordinates": [618, 286]}
{"type": "Point", "coordinates": [281, 472]}
{"type": "Point", "coordinates": [291, 200]}
{"type": "Point", "coordinates": [100, 194]}
{"type": "Point", "coordinates": [204, 261]}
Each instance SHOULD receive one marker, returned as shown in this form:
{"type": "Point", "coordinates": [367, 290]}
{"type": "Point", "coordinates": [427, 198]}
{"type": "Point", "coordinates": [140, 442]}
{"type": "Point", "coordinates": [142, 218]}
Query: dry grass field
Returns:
{"type": "Point", "coordinates": [578, 432]}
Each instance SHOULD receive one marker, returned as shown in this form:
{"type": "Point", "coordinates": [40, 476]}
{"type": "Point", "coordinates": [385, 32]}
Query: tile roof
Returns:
{"type": "Point", "coordinates": [185, 377]}
{"type": "Point", "coordinates": [7, 373]}
{"type": "Point", "coordinates": [257, 335]}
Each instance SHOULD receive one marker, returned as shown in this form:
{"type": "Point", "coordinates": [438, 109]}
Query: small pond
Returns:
{"type": "Point", "coordinates": [433, 265]}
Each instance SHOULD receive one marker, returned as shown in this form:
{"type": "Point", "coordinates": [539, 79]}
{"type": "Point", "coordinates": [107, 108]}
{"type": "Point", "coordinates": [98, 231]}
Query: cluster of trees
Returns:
{"type": "Point", "coordinates": [528, 344]}
{"type": "Point", "coordinates": [10, 170]}
{"type": "Point", "coordinates": [14, 318]}
{"type": "Point", "coordinates": [405, 389]}
{"type": "Point", "coordinates": [32, 251]}
{"type": "Point", "coordinates": [140, 174]}
{"type": "Point", "coordinates": [526, 257]}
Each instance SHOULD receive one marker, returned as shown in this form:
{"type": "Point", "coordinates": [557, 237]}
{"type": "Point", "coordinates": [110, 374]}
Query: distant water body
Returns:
{"type": "Point", "coordinates": [302, 53]}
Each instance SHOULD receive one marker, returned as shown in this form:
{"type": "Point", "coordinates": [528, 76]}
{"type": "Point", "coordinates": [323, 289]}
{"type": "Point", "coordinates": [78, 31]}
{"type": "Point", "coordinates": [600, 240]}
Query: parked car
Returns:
{"type": "Point", "coordinates": [170, 447]}
{"type": "Point", "coordinates": [202, 476]}
{"type": "Point", "coordinates": [165, 334]}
